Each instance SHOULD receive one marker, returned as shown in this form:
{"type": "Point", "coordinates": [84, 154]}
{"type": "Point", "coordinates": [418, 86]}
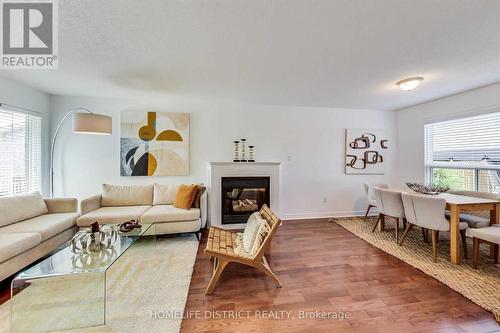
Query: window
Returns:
{"type": "Point", "coordinates": [20, 153]}
{"type": "Point", "coordinates": [464, 153]}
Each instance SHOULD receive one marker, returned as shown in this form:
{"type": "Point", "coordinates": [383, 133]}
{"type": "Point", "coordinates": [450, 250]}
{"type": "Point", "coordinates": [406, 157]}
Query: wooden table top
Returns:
{"type": "Point", "coordinates": [455, 199]}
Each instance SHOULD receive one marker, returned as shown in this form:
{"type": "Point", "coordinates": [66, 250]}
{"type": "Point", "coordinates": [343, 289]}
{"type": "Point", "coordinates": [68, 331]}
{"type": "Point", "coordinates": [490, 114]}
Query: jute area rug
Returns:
{"type": "Point", "coordinates": [143, 285]}
{"type": "Point", "coordinates": [481, 286]}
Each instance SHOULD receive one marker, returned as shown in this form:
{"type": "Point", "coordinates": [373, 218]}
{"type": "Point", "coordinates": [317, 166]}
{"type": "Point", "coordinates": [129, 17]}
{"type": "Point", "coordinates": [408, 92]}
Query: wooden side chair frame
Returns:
{"type": "Point", "coordinates": [220, 247]}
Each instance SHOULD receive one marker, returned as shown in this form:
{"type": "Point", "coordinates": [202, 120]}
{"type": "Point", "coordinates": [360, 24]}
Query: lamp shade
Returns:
{"type": "Point", "coordinates": [91, 123]}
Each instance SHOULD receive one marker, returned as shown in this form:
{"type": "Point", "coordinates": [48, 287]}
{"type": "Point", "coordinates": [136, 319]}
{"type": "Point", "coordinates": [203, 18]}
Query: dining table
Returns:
{"type": "Point", "coordinates": [457, 204]}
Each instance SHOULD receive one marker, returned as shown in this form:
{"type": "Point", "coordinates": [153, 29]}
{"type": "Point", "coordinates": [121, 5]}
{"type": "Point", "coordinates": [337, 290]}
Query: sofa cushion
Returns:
{"type": "Point", "coordinates": [490, 234]}
{"type": "Point", "coordinates": [12, 244]}
{"type": "Point", "coordinates": [164, 194]}
{"type": "Point", "coordinates": [47, 225]}
{"type": "Point", "coordinates": [112, 215]}
{"type": "Point", "coordinates": [126, 195]}
{"type": "Point", "coordinates": [168, 213]}
{"type": "Point", "coordinates": [18, 208]}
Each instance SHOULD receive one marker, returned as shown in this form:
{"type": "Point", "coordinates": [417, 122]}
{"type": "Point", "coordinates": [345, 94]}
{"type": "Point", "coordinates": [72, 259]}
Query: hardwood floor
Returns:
{"type": "Point", "coordinates": [325, 268]}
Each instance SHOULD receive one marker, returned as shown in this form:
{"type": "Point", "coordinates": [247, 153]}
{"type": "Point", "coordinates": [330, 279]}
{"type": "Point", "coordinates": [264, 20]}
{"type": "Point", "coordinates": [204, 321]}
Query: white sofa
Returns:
{"type": "Point", "coordinates": [146, 203]}
{"type": "Point", "coordinates": [31, 227]}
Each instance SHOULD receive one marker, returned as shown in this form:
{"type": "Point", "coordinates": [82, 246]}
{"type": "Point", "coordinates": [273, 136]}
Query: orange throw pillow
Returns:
{"type": "Point", "coordinates": [185, 196]}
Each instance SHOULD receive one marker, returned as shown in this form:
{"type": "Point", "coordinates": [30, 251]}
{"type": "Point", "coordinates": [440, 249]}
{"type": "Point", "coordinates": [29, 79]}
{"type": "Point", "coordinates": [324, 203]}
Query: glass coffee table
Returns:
{"type": "Point", "coordinates": [67, 291]}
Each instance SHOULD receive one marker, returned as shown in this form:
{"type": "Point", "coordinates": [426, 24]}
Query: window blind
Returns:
{"type": "Point", "coordinates": [20, 152]}
{"type": "Point", "coordinates": [467, 143]}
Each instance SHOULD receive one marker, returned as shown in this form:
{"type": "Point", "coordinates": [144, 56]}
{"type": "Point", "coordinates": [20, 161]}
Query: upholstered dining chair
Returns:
{"type": "Point", "coordinates": [427, 212]}
{"type": "Point", "coordinates": [489, 235]}
{"type": "Point", "coordinates": [370, 196]}
{"type": "Point", "coordinates": [477, 219]}
{"type": "Point", "coordinates": [389, 204]}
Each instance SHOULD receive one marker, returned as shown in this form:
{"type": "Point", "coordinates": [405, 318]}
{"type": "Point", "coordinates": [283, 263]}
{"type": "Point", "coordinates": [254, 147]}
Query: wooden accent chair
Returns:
{"type": "Point", "coordinates": [221, 245]}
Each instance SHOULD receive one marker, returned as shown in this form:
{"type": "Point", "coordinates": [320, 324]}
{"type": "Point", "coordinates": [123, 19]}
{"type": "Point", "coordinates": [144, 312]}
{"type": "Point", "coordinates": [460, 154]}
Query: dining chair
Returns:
{"type": "Point", "coordinates": [389, 204]}
{"type": "Point", "coordinates": [427, 212]}
{"type": "Point", "coordinates": [490, 235]}
{"type": "Point", "coordinates": [370, 196]}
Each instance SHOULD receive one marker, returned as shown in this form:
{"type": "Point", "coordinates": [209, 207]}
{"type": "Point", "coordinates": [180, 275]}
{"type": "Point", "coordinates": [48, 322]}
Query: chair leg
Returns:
{"type": "Point", "coordinates": [264, 267]}
{"type": "Point", "coordinates": [397, 230]}
{"type": "Point", "coordinates": [376, 223]}
{"type": "Point", "coordinates": [475, 251]}
{"type": "Point", "coordinates": [424, 235]}
{"type": "Point", "coordinates": [437, 236]}
{"type": "Point", "coordinates": [382, 223]}
{"type": "Point", "coordinates": [407, 229]}
{"type": "Point", "coordinates": [221, 264]}
{"type": "Point", "coordinates": [367, 212]}
{"type": "Point", "coordinates": [495, 254]}
{"type": "Point", "coordinates": [464, 242]}
{"type": "Point", "coordinates": [434, 245]}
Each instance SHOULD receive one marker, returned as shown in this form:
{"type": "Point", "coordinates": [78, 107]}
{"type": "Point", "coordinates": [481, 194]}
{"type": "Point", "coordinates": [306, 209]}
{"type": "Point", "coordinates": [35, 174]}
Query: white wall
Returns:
{"type": "Point", "coordinates": [312, 137]}
{"type": "Point", "coordinates": [410, 123]}
{"type": "Point", "coordinates": [23, 96]}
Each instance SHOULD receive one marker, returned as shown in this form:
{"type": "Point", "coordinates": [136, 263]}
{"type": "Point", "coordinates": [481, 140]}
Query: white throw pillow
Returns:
{"type": "Point", "coordinates": [254, 233]}
{"type": "Point", "coordinates": [160, 194]}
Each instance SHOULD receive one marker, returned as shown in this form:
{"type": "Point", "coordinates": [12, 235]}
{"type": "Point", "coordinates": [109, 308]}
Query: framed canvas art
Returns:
{"type": "Point", "coordinates": [365, 151]}
{"type": "Point", "coordinates": [154, 143]}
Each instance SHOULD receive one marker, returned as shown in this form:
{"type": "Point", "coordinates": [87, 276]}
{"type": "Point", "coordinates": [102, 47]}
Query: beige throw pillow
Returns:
{"type": "Point", "coordinates": [18, 208]}
{"type": "Point", "coordinates": [255, 231]}
{"type": "Point", "coordinates": [126, 195]}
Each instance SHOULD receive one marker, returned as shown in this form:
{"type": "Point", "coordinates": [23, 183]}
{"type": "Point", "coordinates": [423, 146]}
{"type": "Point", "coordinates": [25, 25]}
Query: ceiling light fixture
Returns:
{"type": "Point", "coordinates": [410, 83]}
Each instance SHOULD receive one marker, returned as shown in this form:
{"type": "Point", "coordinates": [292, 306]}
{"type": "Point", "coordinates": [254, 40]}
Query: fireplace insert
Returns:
{"type": "Point", "coordinates": [242, 196]}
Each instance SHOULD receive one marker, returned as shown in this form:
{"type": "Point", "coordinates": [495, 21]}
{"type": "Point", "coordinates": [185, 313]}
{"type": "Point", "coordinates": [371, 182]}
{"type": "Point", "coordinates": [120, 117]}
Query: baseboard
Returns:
{"type": "Point", "coordinates": [306, 216]}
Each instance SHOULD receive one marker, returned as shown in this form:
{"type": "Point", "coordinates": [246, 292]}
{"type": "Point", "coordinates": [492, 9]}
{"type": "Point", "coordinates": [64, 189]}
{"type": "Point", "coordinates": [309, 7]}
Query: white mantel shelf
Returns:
{"type": "Point", "coordinates": [218, 170]}
{"type": "Point", "coordinates": [244, 163]}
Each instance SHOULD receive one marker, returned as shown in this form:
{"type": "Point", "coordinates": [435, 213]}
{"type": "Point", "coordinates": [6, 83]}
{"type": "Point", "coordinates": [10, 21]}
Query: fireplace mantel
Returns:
{"type": "Point", "coordinates": [217, 170]}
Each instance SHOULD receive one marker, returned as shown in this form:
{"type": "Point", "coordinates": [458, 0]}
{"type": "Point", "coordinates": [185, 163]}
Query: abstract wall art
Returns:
{"type": "Point", "coordinates": [154, 143]}
{"type": "Point", "coordinates": [365, 151]}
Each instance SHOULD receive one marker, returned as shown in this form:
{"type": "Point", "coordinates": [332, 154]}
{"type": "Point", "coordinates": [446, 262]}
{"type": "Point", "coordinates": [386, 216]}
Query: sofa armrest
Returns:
{"type": "Point", "coordinates": [203, 209]}
{"type": "Point", "coordinates": [61, 205]}
{"type": "Point", "coordinates": [90, 204]}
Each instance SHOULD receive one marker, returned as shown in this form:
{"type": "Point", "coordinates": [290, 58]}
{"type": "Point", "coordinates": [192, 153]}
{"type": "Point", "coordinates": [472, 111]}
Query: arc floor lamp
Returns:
{"type": "Point", "coordinates": [84, 121]}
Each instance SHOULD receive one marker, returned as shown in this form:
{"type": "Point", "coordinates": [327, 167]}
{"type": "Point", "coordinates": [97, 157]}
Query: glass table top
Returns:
{"type": "Point", "coordinates": [65, 262]}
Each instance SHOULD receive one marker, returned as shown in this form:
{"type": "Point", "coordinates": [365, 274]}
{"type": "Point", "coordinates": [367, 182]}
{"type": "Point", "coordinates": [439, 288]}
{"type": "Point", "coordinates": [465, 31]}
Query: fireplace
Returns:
{"type": "Point", "coordinates": [242, 196]}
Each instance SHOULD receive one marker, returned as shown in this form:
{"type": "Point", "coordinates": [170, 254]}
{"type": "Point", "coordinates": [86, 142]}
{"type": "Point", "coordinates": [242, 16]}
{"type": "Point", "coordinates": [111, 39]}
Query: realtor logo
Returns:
{"type": "Point", "coordinates": [29, 34]}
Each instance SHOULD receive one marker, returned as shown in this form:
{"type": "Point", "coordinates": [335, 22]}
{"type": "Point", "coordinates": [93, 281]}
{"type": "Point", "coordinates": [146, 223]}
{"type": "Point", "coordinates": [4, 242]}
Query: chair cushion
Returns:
{"type": "Point", "coordinates": [168, 213]}
{"type": "Point", "coordinates": [112, 215]}
{"type": "Point", "coordinates": [164, 194]}
{"type": "Point", "coordinates": [490, 234]}
{"type": "Point", "coordinates": [473, 221]}
{"type": "Point", "coordinates": [126, 195]}
{"type": "Point", "coordinates": [12, 244]}
{"type": "Point", "coordinates": [47, 225]}
{"type": "Point", "coordinates": [18, 208]}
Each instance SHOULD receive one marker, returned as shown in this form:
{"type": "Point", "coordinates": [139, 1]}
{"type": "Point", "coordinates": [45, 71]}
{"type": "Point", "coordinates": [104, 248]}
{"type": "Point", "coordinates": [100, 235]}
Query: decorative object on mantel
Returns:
{"type": "Point", "coordinates": [236, 151]}
{"type": "Point", "coordinates": [129, 225]}
{"type": "Point", "coordinates": [427, 189]}
{"type": "Point", "coordinates": [243, 150]}
{"type": "Point", "coordinates": [93, 239]}
{"type": "Point", "coordinates": [365, 151]}
{"type": "Point", "coordinates": [250, 152]}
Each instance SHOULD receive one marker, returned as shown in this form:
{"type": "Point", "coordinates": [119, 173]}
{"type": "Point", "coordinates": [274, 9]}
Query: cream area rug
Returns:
{"type": "Point", "coordinates": [146, 289]}
{"type": "Point", "coordinates": [481, 286]}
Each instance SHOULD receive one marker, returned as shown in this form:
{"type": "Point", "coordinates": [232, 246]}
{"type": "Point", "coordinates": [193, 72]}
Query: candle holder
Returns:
{"type": "Point", "coordinates": [243, 150]}
{"type": "Point", "coordinates": [236, 151]}
{"type": "Point", "coordinates": [250, 154]}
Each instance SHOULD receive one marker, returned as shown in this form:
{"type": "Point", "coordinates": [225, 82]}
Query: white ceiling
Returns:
{"type": "Point", "coordinates": [325, 53]}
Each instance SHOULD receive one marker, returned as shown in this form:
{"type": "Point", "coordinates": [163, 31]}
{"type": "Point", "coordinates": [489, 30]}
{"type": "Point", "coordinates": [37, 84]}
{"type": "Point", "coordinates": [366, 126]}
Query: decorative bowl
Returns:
{"type": "Point", "coordinates": [428, 189]}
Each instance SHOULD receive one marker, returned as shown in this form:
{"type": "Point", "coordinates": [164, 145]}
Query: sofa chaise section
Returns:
{"type": "Point", "coordinates": [31, 227]}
